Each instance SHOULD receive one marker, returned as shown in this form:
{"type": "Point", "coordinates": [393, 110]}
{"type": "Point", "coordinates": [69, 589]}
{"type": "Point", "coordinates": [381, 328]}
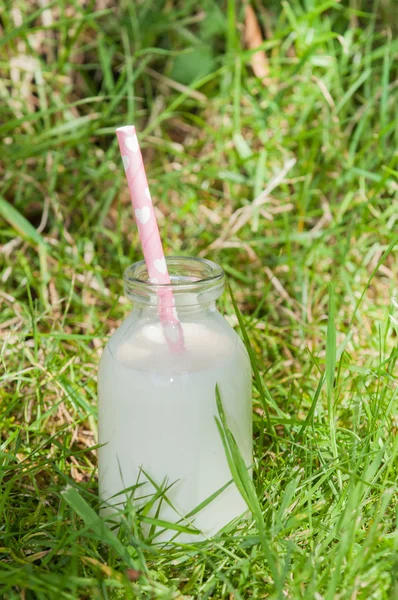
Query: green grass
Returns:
{"type": "Point", "coordinates": [312, 266]}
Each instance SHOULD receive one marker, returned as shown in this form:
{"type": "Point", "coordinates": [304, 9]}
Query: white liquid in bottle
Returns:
{"type": "Point", "coordinates": [157, 411]}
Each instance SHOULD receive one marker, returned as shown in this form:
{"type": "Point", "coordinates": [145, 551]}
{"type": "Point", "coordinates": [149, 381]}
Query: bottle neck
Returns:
{"type": "Point", "coordinates": [195, 284]}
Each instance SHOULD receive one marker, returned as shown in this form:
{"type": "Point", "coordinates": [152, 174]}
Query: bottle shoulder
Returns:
{"type": "Point", "coordinates": [140, 342]}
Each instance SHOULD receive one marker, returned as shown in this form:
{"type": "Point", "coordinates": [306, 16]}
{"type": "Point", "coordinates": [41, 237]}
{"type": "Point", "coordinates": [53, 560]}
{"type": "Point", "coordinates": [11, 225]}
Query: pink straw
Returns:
{"type": "Point", "coordinates": [149, 232]}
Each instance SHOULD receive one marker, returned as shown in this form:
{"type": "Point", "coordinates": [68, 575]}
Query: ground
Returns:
{"type": "Point", "coordinates": [281, 165]}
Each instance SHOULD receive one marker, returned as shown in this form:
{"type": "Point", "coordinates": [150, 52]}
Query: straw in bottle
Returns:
{"type": "Point", "coordinates": [149, 233]}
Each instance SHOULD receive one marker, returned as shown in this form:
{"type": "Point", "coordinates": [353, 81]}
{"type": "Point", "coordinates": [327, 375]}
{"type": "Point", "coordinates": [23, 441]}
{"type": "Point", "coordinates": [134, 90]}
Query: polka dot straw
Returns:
{"type": "Point", "coordinates": [149, 232]}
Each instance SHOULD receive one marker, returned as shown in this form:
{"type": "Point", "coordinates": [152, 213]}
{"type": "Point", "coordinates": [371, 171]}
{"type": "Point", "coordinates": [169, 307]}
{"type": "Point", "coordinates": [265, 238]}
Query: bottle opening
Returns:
{"type": "Point", "coordinates": [192, 280]}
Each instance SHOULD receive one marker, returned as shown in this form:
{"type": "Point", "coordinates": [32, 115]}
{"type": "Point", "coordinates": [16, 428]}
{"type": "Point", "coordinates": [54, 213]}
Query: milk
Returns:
{"type": "Point", "coordinates": [157, 413]}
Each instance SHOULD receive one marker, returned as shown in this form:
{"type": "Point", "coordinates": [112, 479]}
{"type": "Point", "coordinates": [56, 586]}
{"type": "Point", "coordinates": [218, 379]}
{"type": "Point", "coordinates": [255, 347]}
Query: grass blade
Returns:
{"type": "Point", "coordinates": [330, 373]}
{"type": "Point", "coordinates": [94, 522]}
{"type": "Point", "coordinates": [19, 223]}
{"type": "Point", "coordinates": [260, 388]}
{"type": "Point", "coordinates": [244, 482]}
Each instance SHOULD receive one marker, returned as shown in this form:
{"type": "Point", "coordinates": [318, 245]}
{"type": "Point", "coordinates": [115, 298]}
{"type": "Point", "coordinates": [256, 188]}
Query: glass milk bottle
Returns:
{"type": "Point", "coordinates": [157, 407]}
